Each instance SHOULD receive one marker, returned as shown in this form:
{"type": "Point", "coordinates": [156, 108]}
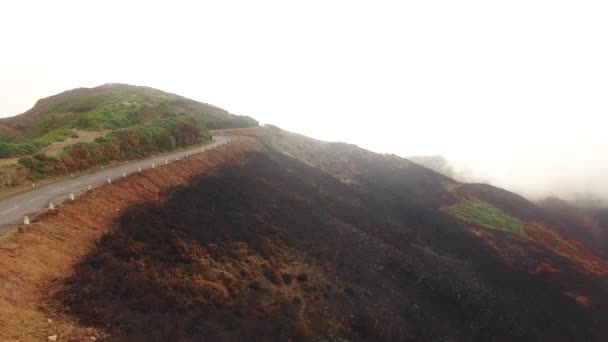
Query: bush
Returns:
{"type": "Point", "coordinates": [126, 143]}
{"type": "Point", "coordinates": [40, 156]}
{"type": "Point", "coordinates": [26, 161]}
{"type": "Point", "coordinates": [134, 142]}
{"type": "Point", "coordinates": [38, 165]}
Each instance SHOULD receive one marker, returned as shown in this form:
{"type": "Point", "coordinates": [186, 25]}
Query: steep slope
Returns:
{"type": "Point", "coordinates": [305, 240]}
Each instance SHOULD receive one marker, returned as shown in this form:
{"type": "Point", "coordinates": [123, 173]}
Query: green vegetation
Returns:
{"type": "Point", "coordinates": [8, 150]}
{"type": "Point", "coordinates": [487, 215]}
{"type": "Point", "coordinates": [142, 121]}
{"type": "Point", "coordinates": [127, 143]}
{"type": "Point", "coordinates": [38, 165]}
{"type": "Point", "coordinates": [114, 107]}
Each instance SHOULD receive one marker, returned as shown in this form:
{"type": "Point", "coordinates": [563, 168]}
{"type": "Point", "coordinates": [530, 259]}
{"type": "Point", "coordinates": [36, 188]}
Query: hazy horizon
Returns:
{"type": "Point", "coordinates": [514, 93]}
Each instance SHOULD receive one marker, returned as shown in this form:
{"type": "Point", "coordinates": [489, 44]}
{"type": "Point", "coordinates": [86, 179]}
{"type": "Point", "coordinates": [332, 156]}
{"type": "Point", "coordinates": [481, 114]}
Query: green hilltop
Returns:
{"type": "Point", "coordinates": [83, 127]}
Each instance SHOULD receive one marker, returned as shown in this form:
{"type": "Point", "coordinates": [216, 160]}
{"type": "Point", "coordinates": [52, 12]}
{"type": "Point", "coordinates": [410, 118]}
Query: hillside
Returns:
{"type": "Point", "coordinates": [283, 237]}
{"type": "Point", "coordinates": [84, 127]}
{"type": "Point", "coordinates": [110, 106]}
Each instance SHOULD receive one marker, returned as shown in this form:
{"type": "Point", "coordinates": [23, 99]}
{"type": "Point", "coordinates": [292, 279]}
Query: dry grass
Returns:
{"type": "Point", "coordinates": [8, 161]}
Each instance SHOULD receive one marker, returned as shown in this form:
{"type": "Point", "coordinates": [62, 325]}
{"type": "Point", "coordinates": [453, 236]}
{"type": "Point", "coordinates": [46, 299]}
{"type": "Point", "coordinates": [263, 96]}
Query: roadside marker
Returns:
{"type": "Point", "coordinates": [71, 197]}
{"type": "Point", "coordinates": [139, 169]}
{"type": "Point", "coordinates": [109, 180]}
{"type": "Point", "coordinates": [166, 161]}
{"type": "Point", "coordinates": [33, 185]}
{"type": "Point", "coordinates": [124, 174]}
{"type": "Point", "coordinates": [26, 220]}
{"type": "Point", "coordinates": [90, 187]}
{"type": "Point", "coordinates": [153, 166]}
{"type": "Point", "coordinates": [51, 206]}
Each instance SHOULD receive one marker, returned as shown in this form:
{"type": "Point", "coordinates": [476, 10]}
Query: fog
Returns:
{"type": "Point", "coordinates": [513, 93]}
{"type": "Point", "coordinates": [580, 180]}
{"type": "Point", "coordinates": [580, 176]}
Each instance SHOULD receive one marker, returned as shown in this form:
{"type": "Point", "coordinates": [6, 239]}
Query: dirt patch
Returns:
{"type": "Point", "coordinates": [83, 136]}
{"type": "Point", "coordinates": [7, 161]}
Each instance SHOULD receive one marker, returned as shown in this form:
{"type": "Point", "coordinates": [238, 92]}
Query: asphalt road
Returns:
{"type": "Point", "coordinates": [14, 208]}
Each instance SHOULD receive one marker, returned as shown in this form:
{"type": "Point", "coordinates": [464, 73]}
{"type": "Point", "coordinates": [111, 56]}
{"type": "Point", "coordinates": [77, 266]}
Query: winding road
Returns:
{"type": "Point", "coordinates": [14, 208]}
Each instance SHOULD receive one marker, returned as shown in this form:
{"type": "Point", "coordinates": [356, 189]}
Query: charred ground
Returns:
{"type": "Point", "coordinates": [307, 241]}
{"type": "Point", "coordinates": [280, 237]}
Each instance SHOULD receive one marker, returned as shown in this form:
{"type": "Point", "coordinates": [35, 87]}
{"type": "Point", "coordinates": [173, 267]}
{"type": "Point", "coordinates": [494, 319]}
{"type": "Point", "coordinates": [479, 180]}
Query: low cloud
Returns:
{"type": "Point", "coordinates": [582, 180]}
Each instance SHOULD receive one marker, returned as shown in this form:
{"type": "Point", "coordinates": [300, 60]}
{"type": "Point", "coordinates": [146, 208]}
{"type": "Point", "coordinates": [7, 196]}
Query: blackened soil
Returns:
{"type": "Point", "coordinates": [275, 250]}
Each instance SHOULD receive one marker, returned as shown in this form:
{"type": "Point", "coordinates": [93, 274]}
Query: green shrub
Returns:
{"type": "Point", "coordinates": [487, 215]}
{"type": "Point", "coordinates": [26, 161]}
{"type": "Point", "coordinates": [8, 150]}
{"type": "Point", "coordinates": [38, 165]}
{"type": "Point", "coordinates": [134, 142]}
{"type": "Point", "coordinates": [40, 156]}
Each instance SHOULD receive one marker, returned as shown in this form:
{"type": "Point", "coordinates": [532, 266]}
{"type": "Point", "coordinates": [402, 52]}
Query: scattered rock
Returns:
{"type": "Point", "coordinates": [52, 338]}
{"type": "Point", "coordinates": [49, 320]}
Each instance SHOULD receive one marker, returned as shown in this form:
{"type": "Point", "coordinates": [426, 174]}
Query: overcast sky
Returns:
{"type": "Point", "coordinates": [516, 90]}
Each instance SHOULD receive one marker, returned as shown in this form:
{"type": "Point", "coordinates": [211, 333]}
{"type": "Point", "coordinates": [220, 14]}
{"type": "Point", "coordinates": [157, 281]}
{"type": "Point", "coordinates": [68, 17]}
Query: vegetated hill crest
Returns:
{"type": "Point", "coordinates": [113, 95]}
{"type": "Point", "coordinates": [89, 127]}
